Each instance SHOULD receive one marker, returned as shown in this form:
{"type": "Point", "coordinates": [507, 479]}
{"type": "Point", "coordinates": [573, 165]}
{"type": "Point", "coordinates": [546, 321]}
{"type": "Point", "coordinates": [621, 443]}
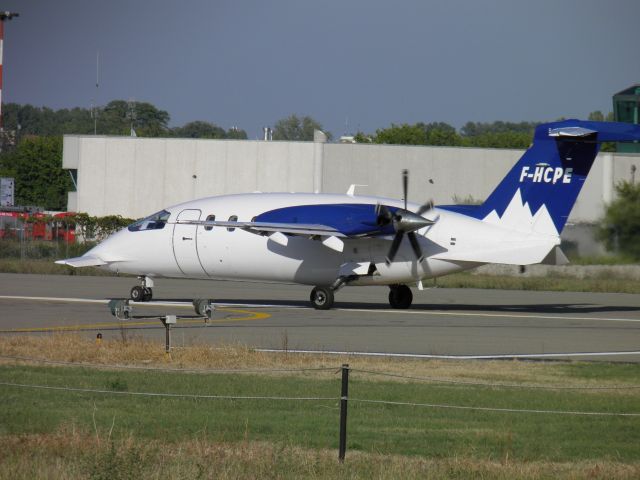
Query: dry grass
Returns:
{"type": "Point", "coordinates": [69, 453]}
{"type": "Point", "coordinates": [137, 351]}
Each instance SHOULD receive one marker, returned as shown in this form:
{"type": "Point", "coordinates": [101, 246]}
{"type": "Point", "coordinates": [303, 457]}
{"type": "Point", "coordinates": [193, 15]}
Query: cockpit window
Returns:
{"type": "Point", "coordinates": [157, 221]}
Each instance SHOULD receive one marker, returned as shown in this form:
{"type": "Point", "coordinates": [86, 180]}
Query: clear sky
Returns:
{"type": "Point", "coordinates": [351, 64]}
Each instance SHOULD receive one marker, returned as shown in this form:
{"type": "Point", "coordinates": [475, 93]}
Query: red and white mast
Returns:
{"type": "Point", "coordinates": [3, 16]}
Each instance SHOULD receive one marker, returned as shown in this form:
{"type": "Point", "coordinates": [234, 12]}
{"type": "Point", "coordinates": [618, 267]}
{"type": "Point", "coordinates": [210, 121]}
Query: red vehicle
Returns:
{"type": "Point", "coordinates": [28, 225]}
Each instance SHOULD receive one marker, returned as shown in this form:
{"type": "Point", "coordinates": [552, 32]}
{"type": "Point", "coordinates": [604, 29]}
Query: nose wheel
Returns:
{"type": "Point", "coordinates": [142, 292]}
{"type": "Point", "coordinates": [321, 298]}
{"type": "Point", "coordinates": [400, 296]}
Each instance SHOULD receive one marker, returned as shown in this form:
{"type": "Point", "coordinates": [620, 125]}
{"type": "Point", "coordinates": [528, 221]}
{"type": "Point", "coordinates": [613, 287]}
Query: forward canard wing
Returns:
{"type": "Point", "coordinates": [84, 261]}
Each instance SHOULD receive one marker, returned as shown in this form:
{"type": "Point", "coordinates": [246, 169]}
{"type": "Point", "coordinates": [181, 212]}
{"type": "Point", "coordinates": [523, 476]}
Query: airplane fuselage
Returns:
{"type": "Point", "coordinates": [200, 252]}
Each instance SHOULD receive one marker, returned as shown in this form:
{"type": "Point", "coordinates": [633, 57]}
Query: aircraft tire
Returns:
{"type": "Point", "coordinates": [148, 294]}
{"type": "Point", "coordinates": [321, 298]}
{"type": "Point", "coordinates": [137, 294]}
{"type": "Point", "coordinates": [400, 296]}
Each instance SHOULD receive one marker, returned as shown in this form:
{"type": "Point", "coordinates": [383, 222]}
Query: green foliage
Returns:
{"type": "Point", "coordinates": [202, 129]}
{"type": "Point", "coordinates": [436, 133]}
{"type": "Point", "coordinates": [620, 228]}
{"type": "Point", "coordinates": [598, 116]}
{"type": "Point", "coordinates": [495, 135]}
{"type": "Point", "coordinates": [36, 165]}
{"type": "Point", "coordinates": [115, 118]}
{"type": "Point", "coordinates": [294, 128]}
{"type": "Point", "coordinates": [499, 140]}
{"type": "Point", "coordinates": [391, 429]}
{"type": "Point", "coordinates": [118, 463]}
{"type": "Point", "coordinates": [404, 134]}
{"type": "Point", "coordinates": [235, 133]}
{"type": "Point", "coordinates": [474, 129]}
{"type": "Point", "coordinates": [98, 227]}
{"type": "Point", "coordinates": [362, 137]}
{"type": "Point", "coordinates": [118, 116]}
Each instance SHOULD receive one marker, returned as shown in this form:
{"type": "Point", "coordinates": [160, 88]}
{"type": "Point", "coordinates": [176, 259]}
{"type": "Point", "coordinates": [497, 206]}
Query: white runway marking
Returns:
{"type": "Point", "coordinates": [146, 304]}
{"type": "Point", "coordinates": [452, 357]}
{"type": "Point", "coordinates": [346, 310]}
{"type": "Point", "coordinates": [492, 315]}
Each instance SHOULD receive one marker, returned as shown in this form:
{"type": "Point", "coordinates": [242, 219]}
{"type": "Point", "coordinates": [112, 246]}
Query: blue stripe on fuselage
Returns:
{"type": "Point", "coordinates": [350, 219]}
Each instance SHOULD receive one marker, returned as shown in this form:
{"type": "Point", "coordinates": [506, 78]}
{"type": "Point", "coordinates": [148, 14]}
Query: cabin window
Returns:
{"type": "Point", "coordinates": [210, 218]}
{"type": "Point", "coordinates": [157, 221]}
{"type": "Point", "coordinates": [232, 218]}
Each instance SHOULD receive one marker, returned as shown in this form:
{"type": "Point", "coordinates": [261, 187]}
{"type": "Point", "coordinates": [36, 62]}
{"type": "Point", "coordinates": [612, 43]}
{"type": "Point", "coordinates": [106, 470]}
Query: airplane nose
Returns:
{"type": "Point", "coordinates": [110, 249]}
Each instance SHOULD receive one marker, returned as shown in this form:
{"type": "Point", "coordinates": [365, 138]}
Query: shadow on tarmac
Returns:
{"type": "Point", "coordinates": [547, 308]}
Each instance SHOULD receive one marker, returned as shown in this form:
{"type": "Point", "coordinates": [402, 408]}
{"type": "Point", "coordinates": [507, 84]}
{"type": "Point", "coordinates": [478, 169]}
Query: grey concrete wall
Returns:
{"type": "Point", "coordinates": [134, 177]}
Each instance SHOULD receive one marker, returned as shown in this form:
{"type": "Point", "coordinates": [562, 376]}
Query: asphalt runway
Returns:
{"type": "Point", "coordinates": [441, 322]}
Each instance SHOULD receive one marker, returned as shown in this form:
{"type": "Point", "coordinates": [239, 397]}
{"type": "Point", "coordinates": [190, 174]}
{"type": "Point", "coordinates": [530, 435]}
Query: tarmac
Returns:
{"type": "Point", "coordinates": [442, 323]}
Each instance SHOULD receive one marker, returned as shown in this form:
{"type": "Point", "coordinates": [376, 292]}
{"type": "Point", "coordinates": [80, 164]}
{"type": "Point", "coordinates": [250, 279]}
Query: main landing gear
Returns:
{"type": "Point", "coordinates": [322, 298]}
{"type": "Point", "coordinates": [144, 291]}
{"type": "Point", "coordinates": [400, 296]}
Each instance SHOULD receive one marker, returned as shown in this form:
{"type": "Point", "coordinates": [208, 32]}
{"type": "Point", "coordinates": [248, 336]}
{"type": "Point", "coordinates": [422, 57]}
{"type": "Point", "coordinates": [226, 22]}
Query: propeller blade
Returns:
{"type": "Point", "coordinates": [415, 245]}
{"type": "Point", "coordinates": [405, 185]}
{"type": "Point", "coordinates": [394, 247]}
{"type": "Point", "coordinates": [425, 208]}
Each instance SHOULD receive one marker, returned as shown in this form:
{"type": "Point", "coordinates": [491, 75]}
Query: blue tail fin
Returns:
{"type": "Point", "coordinates": [539, 192]}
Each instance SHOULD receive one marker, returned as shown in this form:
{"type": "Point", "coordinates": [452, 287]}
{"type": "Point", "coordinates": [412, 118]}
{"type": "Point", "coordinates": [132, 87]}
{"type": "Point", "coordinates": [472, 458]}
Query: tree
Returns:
{"type": "Point", "coordinates": [118, 117]}
{"type": "Point", "coordinates": [620, 228]}
{"type": "Point", "coordinates": [294, 128]}
{"type": "Point", "coordinates": [37, 166]}
{"type": "Point", "coordinates": [596, 116]}
{"type": "Point", "coordinates": [361, 137]}
{"type": "Point", "coordinates": [236, 133]}
{"type": "Point", "coordinates": [404, 134]}
{"type": "Point", "coordinates": [472, 129]}
{"type": "Point", "coordinates": [199, 129]}
{"type": "Point", "coordinates": [436, 133]}
{"type": "Point", "coordinates": [512, 139]}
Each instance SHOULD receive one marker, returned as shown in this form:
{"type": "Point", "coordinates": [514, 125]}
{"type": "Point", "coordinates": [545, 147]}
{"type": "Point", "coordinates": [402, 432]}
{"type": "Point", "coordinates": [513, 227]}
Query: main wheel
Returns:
{"type": "Point", "coordinates": [137, 294]}
{"type": "Point", "coordinates": [148, 294]}
{"type": "Point", "coordinates": [400, 296]}
{"type": "Point", "coordinates": [321, 298]}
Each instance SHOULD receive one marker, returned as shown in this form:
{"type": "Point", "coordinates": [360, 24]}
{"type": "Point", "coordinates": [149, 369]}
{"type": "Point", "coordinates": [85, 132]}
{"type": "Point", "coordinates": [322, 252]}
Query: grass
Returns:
{"type": "Point", "coordinates": [606, 282]}
{"type": "Point", "coordinates": [86, 435]}
{"type": "Point", "coordinates": [68, 453]}
{"type": "Point", "coordinates": [48, 267]}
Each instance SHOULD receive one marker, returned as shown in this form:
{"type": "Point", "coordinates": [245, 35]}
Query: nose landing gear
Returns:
{"type": "Point", "coordinates": [144, 291]}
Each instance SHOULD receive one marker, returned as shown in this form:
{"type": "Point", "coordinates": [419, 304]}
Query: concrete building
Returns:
{"type": "Point", "coordinates": [134, 177]}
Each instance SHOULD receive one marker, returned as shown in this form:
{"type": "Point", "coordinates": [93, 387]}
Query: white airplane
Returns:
{"type": "Point", "coordinates": [330, 241]}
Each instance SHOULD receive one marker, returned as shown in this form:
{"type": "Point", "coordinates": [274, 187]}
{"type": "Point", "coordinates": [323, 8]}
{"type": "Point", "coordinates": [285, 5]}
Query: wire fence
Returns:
{"type": "Point", "coordinates": [318, 369]}
{"type": "Point", "coordinates": [497, 384]}
{"type": "Point", "coordinates": [343, 399]}
{"type": "Point", "coordinates": [335, 398]}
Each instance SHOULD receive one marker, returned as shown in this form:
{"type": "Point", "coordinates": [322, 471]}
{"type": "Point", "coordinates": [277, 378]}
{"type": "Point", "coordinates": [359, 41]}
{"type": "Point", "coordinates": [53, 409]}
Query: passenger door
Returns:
{"type": "Point", "coordinates": [185, 244]}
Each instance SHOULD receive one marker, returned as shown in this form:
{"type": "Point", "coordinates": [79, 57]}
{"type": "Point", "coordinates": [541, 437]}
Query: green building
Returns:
{"type": "Point", "coordinates": [626, 108]}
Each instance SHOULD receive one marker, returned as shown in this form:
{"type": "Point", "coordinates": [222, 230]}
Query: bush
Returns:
{"type": "Point", "coordinates": [619, 230]}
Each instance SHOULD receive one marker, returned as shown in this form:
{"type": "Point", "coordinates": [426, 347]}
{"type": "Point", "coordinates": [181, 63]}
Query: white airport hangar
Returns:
{"type": "Point", "coordinates": [133, 177]}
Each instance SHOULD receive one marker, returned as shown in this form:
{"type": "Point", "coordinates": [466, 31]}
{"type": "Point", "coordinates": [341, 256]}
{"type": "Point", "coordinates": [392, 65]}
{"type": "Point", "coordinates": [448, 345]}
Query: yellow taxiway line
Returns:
{"type": "Point", "coordinates": [246, 315]}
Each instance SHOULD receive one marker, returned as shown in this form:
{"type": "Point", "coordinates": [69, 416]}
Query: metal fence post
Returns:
{"type": "Point", "coordinates": [344, 398]}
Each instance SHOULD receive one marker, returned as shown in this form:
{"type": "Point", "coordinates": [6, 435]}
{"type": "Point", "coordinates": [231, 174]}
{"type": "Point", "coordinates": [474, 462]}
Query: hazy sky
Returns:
{"type": "Point", "coordinates": [364, 63]}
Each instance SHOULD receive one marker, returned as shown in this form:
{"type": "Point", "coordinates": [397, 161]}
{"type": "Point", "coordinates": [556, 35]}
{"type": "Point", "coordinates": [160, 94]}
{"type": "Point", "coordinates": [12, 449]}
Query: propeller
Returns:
{"type": "Point", "coordinates": [404, 222]}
